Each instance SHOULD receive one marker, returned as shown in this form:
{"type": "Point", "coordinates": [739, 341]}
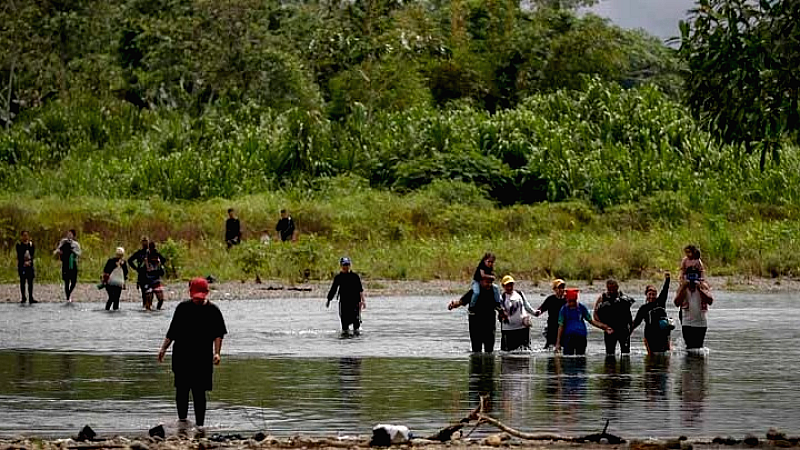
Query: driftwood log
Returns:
{"type": "Point", "coordinates": [478, 416]}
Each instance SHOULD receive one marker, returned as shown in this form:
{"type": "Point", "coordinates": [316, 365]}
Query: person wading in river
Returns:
{"type": "Point", "coordinates": [197, 329]}
{"type": "Point", "coordinates": [657, 327]}
{"type": "Point", "coordinates": [68, 251]}
{"type": "Point", "coordinates": [482, 316]}
{"type": "Point", "coordinates": [552, 306]}
{"type": "Point", "coordinates": [613, 308]}
{"type": "Point", "coordinates": [351, 297]}
{"type": "Point", "coordinates": [515, 332]}
{"type": "Point", "coordinates": [693, 301]}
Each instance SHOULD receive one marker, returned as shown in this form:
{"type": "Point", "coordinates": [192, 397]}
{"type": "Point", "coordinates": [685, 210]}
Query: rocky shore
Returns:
{"type": "Point", "coordinates": [237, 290]}
{"type": "Point", "coordinates": [772, 439]}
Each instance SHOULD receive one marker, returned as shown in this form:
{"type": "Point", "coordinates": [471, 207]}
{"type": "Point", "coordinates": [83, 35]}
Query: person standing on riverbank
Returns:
{"type": "Point", "coordinates": [233, 229]}
{"type": "Point", "coordinates": [653, 313]}
{"type": "Point", "coordinates": [572, 332]}
{"type": "Point", "coordinates": [197, 326]}
{"type": "Point", "coordinates": [351, 296]}
{"type": "Point", "coordinates": [693, 302]}
{"type": "Point", "coordinates": [68, 251]}
{"type": "Point", "coordinates": [285, 227]}
{"type": "Point", "coordinates": [614, 309]}
{"type": "Point", "coordinates": [25, 254]}
{"type": "Point", "coordinates": [115, 273]}
{"type": "Point", "coordinates": [552, 306]}
{"type": "Point", "coordinates": [482, 315]}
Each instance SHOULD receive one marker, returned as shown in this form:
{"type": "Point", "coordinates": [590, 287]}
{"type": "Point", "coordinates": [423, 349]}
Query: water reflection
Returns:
{"type": "Point", "coordinates": [350, 393]}
{"type": "Point", "coordinates": [656, 377]}
{"type": "Point", "coordinates": [515, 382]}
{"type": "Point", "coordinates": [693, 385]}
{"type": "Point", "coordinates": [481, 379]}
{"type": "Point", "coordinates": [616, 382]}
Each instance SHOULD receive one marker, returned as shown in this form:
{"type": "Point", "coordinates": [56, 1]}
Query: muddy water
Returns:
{"type": "Point", "coordinates": [286, 370]}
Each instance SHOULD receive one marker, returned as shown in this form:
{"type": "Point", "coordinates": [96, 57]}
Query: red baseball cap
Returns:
{"type": "Point", "coordinates": [198, 288]}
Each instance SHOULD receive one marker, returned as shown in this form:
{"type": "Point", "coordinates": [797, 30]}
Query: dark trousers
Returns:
{"type": "Point", "coordinates": [550, 336]}
{"type": "Point", "coordinates": [26, 278]}
{"type": "Point", "coordinates": [350, 315]}
{"type": "Point", "coordinates": [182, 401]}
{"type": "Point", "coordinates": [70, 278]}
{"type": "Point", "coordinates": [694, 337]}
{"type": "Point", "coordinates": [657, 341]}
{"type": "Point", "coordinates": [143, 291]}
{"type": "Point", "coordinates": [481, 334]}
{"type": "Point", "coordinates": [513, 339]}
{"type": "Point", "coordinates": [612, 339]}
{"type": "Point", "coordinates": [114, 293]}
{"type": "Point", "coordinates": [574, 344]}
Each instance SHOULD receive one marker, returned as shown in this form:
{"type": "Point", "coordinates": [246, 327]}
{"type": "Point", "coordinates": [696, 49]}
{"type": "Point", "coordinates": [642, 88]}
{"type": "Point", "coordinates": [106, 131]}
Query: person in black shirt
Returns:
{"type": "Point", "coordinates": [351, 296]}
{"type": "Point", "coordinates": [483, 315]}
{"type": "Point", "coordinates": [657, 327]}
{"type": "Point", "coordinates": [115, 273]}
{"type": "Point", "coordinates": [197, 328]}
{"type": "Point", "coordinates": [138, 262]}
{"type": "Point", "coordinates": [285, 227]}
{"type": "Point", "coordinates": [552, 306]}
{"type": "Point", "coordinates": [25, 253]}
{"type": "Point", "coordinates": [233, 230]}
{"type": "Point", "coordinates": [613, 308]}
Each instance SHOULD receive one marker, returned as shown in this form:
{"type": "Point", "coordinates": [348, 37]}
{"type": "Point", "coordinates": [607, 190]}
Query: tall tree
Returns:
{"type": "Point", "coordinates": [742, 80]}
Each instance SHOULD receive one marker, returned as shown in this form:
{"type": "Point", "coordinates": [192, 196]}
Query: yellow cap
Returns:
{"type": "Point", "coordinates": [557, 282]}
{"type": "Point", "coordinates": [507, 279]}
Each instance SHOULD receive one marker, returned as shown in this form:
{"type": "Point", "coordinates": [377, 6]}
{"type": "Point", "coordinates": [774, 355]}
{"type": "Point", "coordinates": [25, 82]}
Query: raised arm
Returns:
{"type": "Point", "coordinates": [662, 296]}
{"type": "Point", "coordinates": [638, 319]}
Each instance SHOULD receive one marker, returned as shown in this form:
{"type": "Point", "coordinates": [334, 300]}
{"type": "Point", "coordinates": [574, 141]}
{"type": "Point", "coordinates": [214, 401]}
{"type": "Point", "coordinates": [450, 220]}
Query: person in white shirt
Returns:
{"type": "Point", "coordinates": [693, 303]}
{"type": "Point", "coordinates": [515, 327]}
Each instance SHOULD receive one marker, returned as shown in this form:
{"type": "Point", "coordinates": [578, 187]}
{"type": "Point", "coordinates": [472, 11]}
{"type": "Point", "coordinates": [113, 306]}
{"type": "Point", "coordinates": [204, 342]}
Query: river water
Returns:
{"type": "Point", "coordinates": [286, 370]}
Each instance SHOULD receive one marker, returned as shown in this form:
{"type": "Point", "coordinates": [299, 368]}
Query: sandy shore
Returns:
{"type": "Point", "coordinates": [88, 292]}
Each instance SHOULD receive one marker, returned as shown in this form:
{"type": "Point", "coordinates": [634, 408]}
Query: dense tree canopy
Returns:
{"type": "Point", "coordinates": [742, 79]}
{"type": "Point", "coordinates": [382, 54]}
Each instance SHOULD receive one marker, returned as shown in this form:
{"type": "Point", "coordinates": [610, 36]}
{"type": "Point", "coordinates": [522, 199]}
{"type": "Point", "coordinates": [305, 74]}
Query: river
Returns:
{"type": "Point", "coordinates": [286, 370]}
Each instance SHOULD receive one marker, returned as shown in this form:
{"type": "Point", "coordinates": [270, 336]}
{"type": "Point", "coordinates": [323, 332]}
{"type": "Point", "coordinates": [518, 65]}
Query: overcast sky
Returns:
{"type": "Point", "coordinates": [659, 17]}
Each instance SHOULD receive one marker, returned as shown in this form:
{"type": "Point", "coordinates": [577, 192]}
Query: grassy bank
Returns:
{"type": "Point", "coordinates": [435, 233]}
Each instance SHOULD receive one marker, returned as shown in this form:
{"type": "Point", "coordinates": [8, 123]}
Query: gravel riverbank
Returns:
{"type": "Point", "coordinates": [88, 292]}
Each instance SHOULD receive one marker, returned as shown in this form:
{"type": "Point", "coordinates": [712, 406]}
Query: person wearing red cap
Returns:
{"type": "Point", "coordinates": [197, 326]}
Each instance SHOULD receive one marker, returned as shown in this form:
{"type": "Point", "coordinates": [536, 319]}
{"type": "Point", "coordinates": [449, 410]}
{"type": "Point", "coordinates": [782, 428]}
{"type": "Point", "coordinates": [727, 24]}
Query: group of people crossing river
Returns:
{"type": "Point", "coordinates": [566, 330]}
{"type": "Point", "coordinates": [197, 327]}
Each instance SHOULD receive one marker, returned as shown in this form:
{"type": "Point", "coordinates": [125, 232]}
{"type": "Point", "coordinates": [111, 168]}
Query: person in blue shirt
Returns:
{"type": "Point", "coordinates": [572, 330]}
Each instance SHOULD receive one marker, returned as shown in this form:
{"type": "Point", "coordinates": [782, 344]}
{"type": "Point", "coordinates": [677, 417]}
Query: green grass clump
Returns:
{"type": "Point", "coordinates": [423, 235]}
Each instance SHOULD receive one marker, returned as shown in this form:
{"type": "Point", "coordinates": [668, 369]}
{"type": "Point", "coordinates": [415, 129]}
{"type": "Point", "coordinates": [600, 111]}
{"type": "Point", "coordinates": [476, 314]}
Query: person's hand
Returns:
{"type": "Point", "coordinates": [328, 304]}
{"type": "Point", "coordinates": [161, 354]}
{"type": "Point", "coordinates": [609, 330]}
{"type": "Point", "coordinates": [216, 359]}
{"type": "Point", "coordinates": [537, 313]}
{"type": "Point", "coordinates": [666, 274]}
{"type": "Point", "coordinates": [557, 349]}
{"type": "Point", "coordinates": [363, 305]}
{"type": "Point", "coordinates": [453, 305]}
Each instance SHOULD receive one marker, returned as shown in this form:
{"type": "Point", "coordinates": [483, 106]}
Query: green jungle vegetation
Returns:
{"type": "Point", "coordinates": [412, 136]}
